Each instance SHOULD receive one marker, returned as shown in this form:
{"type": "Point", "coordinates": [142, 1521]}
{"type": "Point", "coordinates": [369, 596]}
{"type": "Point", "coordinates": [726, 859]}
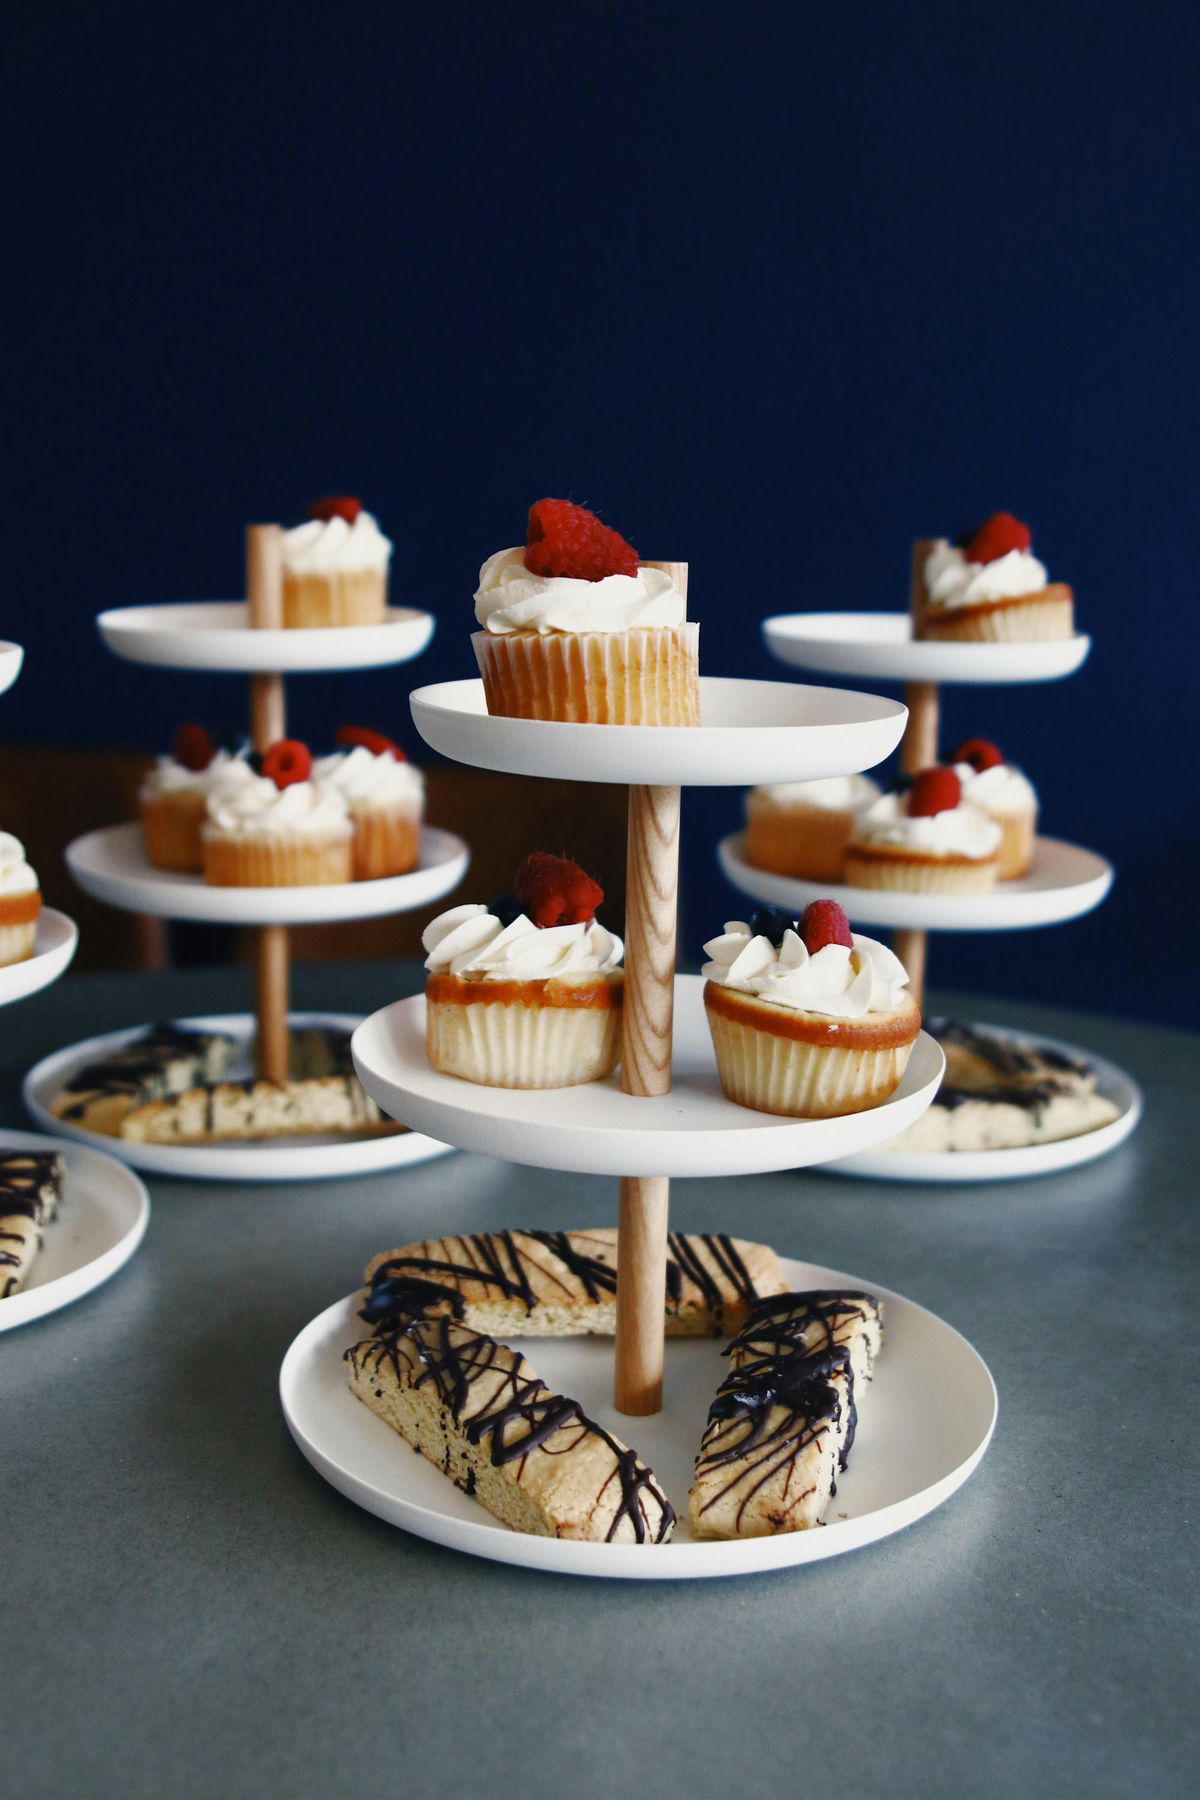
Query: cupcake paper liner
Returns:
{"type": "Point", "coordinates": [276, 861]}
{"type": "Point", "coordinates": [1039, 618]}
{"type": "Point", "coordinates": [387, 841]}
{"type": "Point", "coordinates": [16, 942]}
{"type": "Point", "coordinates": [171, 827]}
{"type": "Point", "coordinates": [803, 1081]}
{"type": "Point", "coordinates": [806, 842]}
{"type": "Point", "coordinates": [640, 677]}
{"type": "Point", "coordinates": [522, 1046]}
{"type": "Point", "coordinates": [358, 597]}
{"type": "Point", "coordinates": [914, 875]}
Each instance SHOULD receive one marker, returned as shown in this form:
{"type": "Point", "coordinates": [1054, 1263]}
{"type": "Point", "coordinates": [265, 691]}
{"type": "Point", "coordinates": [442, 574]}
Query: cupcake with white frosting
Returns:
{"type": "Point", "coordinates": [20, 902]}
{"type": "Point", "coordinates": [385, 796]}
{"type": "Point", "coordinates": [923, 837]}
{"type": "Point", "coordinates": [801, 828]}
{"type": "Point", "coordinates": [335, 567]}
{"type": "Point", "coordinates": [807, 1018]}
{"type": "Point", "coordinates": [275, 826]}
{"type": "Point", "coordinates": [576, 627]}
{"type": "Point", "coordinates": [990, 589]}
{"type": "Point", "coordinates": [526, 992]}
{"type": "Point", "coordinates": [1007, 796]}
{"type": "Point", "coordinates": [173, 798]}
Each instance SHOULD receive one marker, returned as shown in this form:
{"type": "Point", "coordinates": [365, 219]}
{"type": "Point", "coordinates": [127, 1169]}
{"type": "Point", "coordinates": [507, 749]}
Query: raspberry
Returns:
{"type": "Point", "coordinates": [193, 747]}
{"type": "Point", "coordinates": [933, 791]}
{"type": "Point", "coordinates": [553, 891]}
{"type": "Point", "coordinates": [351, 737]}
{"type": "Point", "coordinates": [823, 923]}
{"type": "Point", "coordinates": [996, 537]}
{"type": "Point", "coordinates": [565, 539]}
{"type": "Point", "coordinates": [980, 753]}
{"type": "Point", "coordinates": [336, 506]}
{"type": "Point", "coordinates": [286, 762]}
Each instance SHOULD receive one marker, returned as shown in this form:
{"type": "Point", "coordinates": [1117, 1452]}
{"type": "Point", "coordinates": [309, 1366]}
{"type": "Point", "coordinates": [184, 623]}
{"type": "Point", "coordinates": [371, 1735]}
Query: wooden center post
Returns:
{"type": "Point", "coordinates": [268, 723]}
{"type": "Point", "coordinates": [919, 750]}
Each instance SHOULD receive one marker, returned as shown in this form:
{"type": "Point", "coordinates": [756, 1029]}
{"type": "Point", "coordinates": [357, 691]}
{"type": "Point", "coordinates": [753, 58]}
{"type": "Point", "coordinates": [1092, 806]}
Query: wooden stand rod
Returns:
{"type": "Point", "coordinates": [918, 751]}
{"type": "Point", "coordinates": [268, 723]}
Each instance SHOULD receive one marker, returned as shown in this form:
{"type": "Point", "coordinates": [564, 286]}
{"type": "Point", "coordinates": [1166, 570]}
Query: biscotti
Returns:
{"type": "Point", "coordinates": [161, 1061]}
{"type": "Point", "coordinates": [31, 1187]}
{"type": "Point", "coordinates": [257, 1109]}
{"type": "Point", "coordinates": [533, 1458]}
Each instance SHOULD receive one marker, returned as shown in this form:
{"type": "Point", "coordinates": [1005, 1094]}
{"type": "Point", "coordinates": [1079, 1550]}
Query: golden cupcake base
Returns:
{"type": "Point", "coordinates": [639, 677]}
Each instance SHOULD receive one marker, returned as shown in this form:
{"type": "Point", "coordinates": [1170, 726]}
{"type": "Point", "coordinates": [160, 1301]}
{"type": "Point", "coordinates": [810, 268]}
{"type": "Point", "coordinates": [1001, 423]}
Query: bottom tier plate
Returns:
{"type": "Point", "coordinates": [886, 1164]}
{"type": "Point", "coordinates": [267, 1159]}
{"type": "Point", "coordinates": [923, 1425]}
{"type": "Point", "coordinates": [100, 1222]}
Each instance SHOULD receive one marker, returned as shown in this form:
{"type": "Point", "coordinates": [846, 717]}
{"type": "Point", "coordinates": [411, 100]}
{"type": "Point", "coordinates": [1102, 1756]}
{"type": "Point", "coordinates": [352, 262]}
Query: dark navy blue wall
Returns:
{"type": "Point", "coordinates": [776, 287]}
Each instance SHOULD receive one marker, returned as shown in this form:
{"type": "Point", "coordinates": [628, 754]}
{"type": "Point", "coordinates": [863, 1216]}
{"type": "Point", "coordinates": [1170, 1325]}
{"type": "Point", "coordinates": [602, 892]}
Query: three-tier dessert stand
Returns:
{"type": "Point", "coordinates": [249, 639]}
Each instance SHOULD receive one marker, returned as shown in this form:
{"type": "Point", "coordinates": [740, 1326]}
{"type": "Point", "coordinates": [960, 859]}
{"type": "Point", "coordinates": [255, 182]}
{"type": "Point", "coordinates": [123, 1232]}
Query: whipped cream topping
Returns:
{"type": "Point", "coordinates": [243, 804]}
{"type": "Point", "coordinates": [170, 777]}
{"type": "Point", "coordinates": [469, 940]}
{"type": "Point", "coordinates": [1001, 789]}
{"type": "Point", "coordinates": [511, 598]}
{"type": "Point", "coordinates": [836, 793]}
{"type": "Point", "coordinates": [329, 546]}
{"type": "Point", "coordinates": [839, 982]}
{"type": "Point", "coordinates": [16, 876]}
{"type": "Point", "coordinates": [961, 830]}
{"type": "Point", "coordinates": [368, 780]}
{"type": "Point", "coordinates": [950, 580]}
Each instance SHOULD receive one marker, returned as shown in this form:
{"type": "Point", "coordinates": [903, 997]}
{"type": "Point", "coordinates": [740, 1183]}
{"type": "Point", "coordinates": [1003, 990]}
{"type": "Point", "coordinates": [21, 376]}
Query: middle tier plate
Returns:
{"type": "Point", "coordinates": [112, 865]}
{"type": "Point", "coordinates": [596, 1129]}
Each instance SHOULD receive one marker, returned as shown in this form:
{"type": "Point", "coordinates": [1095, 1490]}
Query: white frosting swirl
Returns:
{"type": "Point", "coordinates": [1002, 789]}
{"type": "Point", "coordinates": [326, 546]}
{"type": "Point", "coordinates": [836, 793]}
{"type": "Point", "coordinates": [839, 982]}
{"type": "Point", "coordinates": [511, 598]}
{"type": "Point", "coordinates": [368, 780]}
{"type": "Point", "coordinates": [469, 940]}
{"type": "Point", "coordinates": [950, 580]}
{"type": "Point", "coordinates": [243, 804]}
{"type": "Point", "coordinates": [170, 777]}
{"type": "Point", "coordinates": [16, 876]}
{"type": "Point", "coordinates": [961, 830]}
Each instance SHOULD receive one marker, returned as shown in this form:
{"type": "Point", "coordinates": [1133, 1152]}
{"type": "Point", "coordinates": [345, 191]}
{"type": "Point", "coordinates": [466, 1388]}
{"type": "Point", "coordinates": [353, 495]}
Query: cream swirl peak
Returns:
{"type": "Point", "coordinates": [370, 780]}
{"type": "Point", "coordinates": [960, 830]}
{"type": "Point", "coordinates": [170, 776]}
{"type": "Point", "coordinates": [1001, 789]}
{"type": "Point", "coordinates": [471, 941]}
{"type": "Point", "coordinates": [836, 793]}
{"type": "Point", "coordinates": [243, 804]}
{"type": "Point", "coordinates": [16, 876]}
{"type": "Point", "coordinates": [330, 546]}
{"type": "Point", "coordinates": [511, 598]}
{"type": "Point", "coordinates": [839, 981]}
{"type": "Point", "coordinates": [950, 580]}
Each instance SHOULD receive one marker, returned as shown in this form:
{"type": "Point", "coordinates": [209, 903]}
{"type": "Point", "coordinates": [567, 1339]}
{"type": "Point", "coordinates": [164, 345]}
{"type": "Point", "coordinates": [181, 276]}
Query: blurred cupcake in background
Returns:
{"type": "Point", "coordinates": [277, 827]}
{"type": "Point", "coordinates": [385, 795]}
{"type": "Point", "coordinates": [335, 567]}
{"type": "Point", "coordinates": [173, 798]}
{"type": "Point", "coordinates": [20, 902]}
{"type": "Point", "coordinates": [801, 828]}
{"type": "Point", "coordinates": [1006, 795]}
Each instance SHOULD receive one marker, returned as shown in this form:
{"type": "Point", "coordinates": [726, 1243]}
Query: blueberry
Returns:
{"type": "Point", "coordinates": [901, 784]}
{"type": "Point", "coordinates": [232, 741]}
{"type": "Point", "coordinates": [254, 761]}
{"type": "Point", "coordinates": [506, 908]}
{"type": "Point", "coordinates": [771, 922]}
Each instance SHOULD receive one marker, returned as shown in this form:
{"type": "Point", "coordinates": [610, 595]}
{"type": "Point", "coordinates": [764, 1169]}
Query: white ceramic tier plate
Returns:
{"type": "Point", "coordinates": [269, 1159]}
{"type": "Point", "coordinates": [112, 865]}
{"type": "Point", "coordinates": [11, 658]}
{"type": "Point", "coordinates": [596, 1129]}
{"type": "Point", "coordinates": [100, 1223]}
{"type": "Point", "coordinates": [216, 634]}
{"type": "Point", "coordinates": [879, 646]}
{"type": "Point", "coordinates": [886, 1164]}
{"type": "Point", "coordinates": [750, 731]}
{"type": "Point", "coordinates": [53, 948]}
{"type": "Point", "coordinates": [1064, 883]}
{"type": "Point", "coordinates": [923, 1425]}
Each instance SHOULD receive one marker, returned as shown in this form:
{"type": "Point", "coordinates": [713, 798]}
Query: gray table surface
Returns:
{"type": "Point", "coordinates": [188, 1609]}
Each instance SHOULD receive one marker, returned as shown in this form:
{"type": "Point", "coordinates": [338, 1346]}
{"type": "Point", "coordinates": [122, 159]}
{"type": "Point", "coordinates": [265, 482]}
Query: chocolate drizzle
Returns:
{"type": "Point", "coordinates": [136, 1069]}
{"type": "Point", "coordinates": [1007, 1056]}
{"type": "Point", "coordinates": [30, 1188]}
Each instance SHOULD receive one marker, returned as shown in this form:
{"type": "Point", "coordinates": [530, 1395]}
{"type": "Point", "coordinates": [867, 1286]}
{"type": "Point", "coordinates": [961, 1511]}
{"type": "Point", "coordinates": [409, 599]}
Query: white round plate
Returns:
{"type": "Point", "coordinates": [1064, 883]}
{"type": "Point", "coordinates": [268, 1159]}
{"type": "Point", "coordinates": [884, 1163]}
{"type": "Point", "coordinates": [216, 634]}
{"type": "Point", "coordinates": [100, 1223]}
{"type": "Point", "coordinates": [924, 1422]}
{"type": "Point", "coordinates": [596, 1129]}
{"type": "Point", "coordinates": [112, 865]}
{"type": "Point", "coordinates": [880, 646]}
{"type": "Point", "coordinates": [11, 658]}
{"type": "Point", "coordinates": [53, 949]}
{"type": "Point", "coordinates": [751, 731]}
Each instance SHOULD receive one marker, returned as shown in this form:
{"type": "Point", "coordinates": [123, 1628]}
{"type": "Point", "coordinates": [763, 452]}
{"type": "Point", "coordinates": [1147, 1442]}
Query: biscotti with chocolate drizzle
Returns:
{"type": "Point", "coordinates": [564, 1283]}
{"type": "Point", "coordinates": [533, 1458]}
{"type": "Point", "coordinates": [161, 1061]}
{"type": "Point", "coordinates": [782, 1424]}
{"type": "Point", "coordinates": [231, 1110]}
{"type": "Point", "coordinates": [31, 1187]}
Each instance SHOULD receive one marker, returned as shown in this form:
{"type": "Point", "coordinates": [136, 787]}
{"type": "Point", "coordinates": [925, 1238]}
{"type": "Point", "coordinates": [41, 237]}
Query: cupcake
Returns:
{"type": "Point", "coordinates": [576, 628]}
{"type": "Point", "coordinates": [173, 797]}
{"type": "Point", "coordinates": [923, 837]}
{"type": "Point", "coordinates": [807, 1018]}
{"type": "Point", "coordinates": [989, 590]}
{"type": "Point", "coordinates": [1000, 790]}
{"type": "Point", "coordinates": [20, 902]}
{"type": "Point", "coordinates": [385, 795]}
{"type": "Point", "coordinates": [801, 828]}
{"type": "Point", "coordinates": [277, 827]}
{"type": "Point", "coordinates": [526, 992]}
{"type": "Point", "coordinates": [335, 567]}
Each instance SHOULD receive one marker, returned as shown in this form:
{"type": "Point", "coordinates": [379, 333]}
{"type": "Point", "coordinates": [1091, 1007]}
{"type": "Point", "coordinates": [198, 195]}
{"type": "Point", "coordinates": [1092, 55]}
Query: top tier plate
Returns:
{"type": "Point", "coordinates": [880, 647]}
{"type": "Point", "coordinates": [216, 635]}
{"type": "Point", "coordinates": [751, 732]}
{"type": "Point", "coordinates": [11, 658]}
